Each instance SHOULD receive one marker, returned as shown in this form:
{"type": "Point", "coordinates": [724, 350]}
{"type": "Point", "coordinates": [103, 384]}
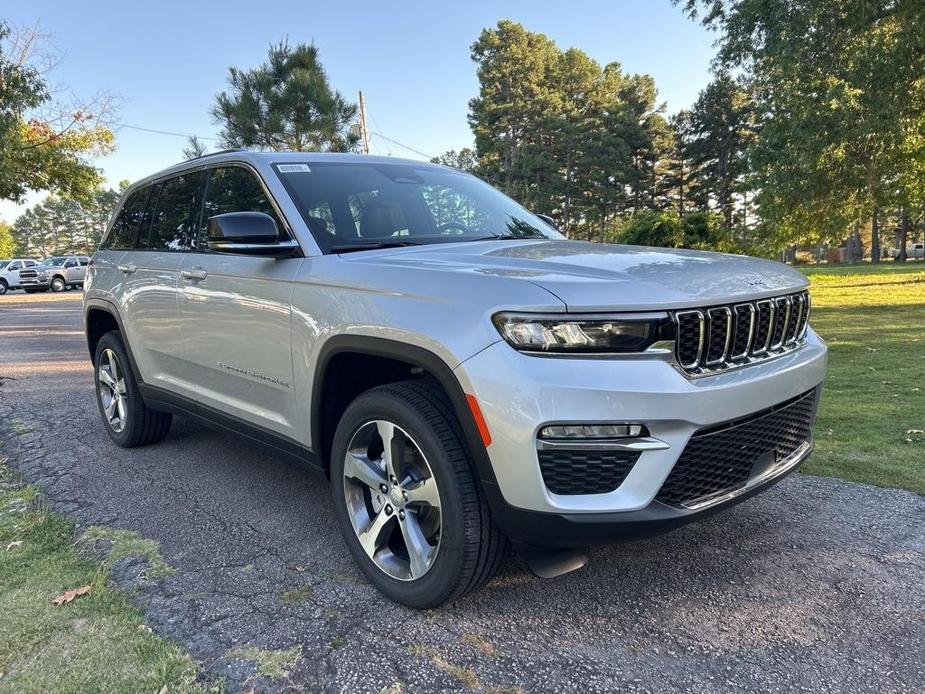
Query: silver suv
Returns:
{"type": "Point", "coordinates": [462, 373]}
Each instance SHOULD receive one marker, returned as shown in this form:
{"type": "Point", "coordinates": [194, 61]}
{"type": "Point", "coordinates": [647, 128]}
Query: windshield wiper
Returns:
{"type": "Point", "coordinates": [372, 245]}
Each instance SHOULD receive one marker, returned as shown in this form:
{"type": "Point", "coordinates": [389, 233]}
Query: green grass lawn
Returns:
{"type": "Point", "coordinates": [871, 425]}
{"type": "Point", "coordinates": [98, 642]}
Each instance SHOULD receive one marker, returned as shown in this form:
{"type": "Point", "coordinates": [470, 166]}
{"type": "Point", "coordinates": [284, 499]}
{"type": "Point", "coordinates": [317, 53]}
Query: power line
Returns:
{"type": "Point", "coordinates": [396, 142]}
{"type": "Point", "coordinates": [163, 132]}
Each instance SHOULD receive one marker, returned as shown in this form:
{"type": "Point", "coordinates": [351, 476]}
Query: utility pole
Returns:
{"type": "Point", "coordinates": [364, 131]}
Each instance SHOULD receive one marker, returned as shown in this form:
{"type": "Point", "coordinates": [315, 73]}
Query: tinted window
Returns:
{"type": "Point", "coordinates": [170, 227]}
{"type": "Point", "coordinates": [125, 228]}
{"type": "Point", "coordinates": [234, 189]}
{"type": "Point", "coordinates": [15, 265]}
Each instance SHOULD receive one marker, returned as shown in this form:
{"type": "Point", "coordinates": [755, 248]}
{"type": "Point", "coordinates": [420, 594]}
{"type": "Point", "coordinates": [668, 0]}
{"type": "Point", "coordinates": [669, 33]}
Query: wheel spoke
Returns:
{"type": "Point", "coordinates": [420, 551]}
{"type": "Point", "coordinates": [111, 407]}
{"type": "Point", "coordinates": [113, 365]}
{"type": "Point", "coordinates": [372, 537]}
{"type": "Point", "coordinates": [120, 386]}
{"type": "Point", "coordinates": [120, 406]}
{"type": "Point", "coordinates": [424, 492]}
{"type": "Point", "coordinates": [106, 378]}
{"type": "Point", "coordinates": [392, 447]}
{"type": "Point", "coordinates": [361, 468]}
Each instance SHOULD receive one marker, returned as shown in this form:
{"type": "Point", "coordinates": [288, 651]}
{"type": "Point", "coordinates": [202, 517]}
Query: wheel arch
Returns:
{"type": "Point", "coordinates": [326, 406]}
{"type": "Point", "coordinates": [100, 317]}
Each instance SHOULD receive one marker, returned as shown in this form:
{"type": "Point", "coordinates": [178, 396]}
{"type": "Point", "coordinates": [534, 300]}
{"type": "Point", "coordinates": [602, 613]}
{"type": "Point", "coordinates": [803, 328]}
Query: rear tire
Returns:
{"type": "Point", "coordinates": [127, 419]}
{"type": "Point", "coordinates": [464, 547]}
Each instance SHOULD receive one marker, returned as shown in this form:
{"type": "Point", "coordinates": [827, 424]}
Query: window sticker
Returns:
{"type": "Point", "coordinates": [293, 168]}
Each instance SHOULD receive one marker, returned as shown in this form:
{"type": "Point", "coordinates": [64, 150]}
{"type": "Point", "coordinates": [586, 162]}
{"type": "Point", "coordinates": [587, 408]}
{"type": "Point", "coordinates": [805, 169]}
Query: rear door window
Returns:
{"type": "Point", "coordinates": [172, 217]}
{"type": "Point", "coordinates": [125, 229]}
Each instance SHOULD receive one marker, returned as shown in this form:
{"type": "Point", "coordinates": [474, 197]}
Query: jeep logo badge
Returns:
{"type": "Point", "coordinates": [755, 281]}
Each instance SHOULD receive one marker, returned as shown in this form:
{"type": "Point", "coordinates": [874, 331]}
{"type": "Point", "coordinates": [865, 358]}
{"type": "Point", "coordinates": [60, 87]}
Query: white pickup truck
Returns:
{"type": "Point", "coordinates": [9, 272]}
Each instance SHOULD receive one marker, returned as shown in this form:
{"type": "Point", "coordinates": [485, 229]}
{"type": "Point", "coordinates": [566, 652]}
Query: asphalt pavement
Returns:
{"type": "Point", "coordinates": [817, 585]}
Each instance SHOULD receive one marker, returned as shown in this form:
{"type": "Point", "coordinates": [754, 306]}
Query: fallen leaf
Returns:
{"type": "Point", "coordinates": [872, 349]}
{"type": "Point", "coordinates": [14, 543]}
{"type": "Point", "coordinates": [163, 690]}
{"type": "Point", "coordinates": [70, 595]}
{"type": "Point", "coordinates": [910, 431]}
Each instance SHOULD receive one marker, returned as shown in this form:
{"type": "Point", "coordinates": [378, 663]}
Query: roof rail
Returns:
{"type": "Point", "coordinates": [221, 151]}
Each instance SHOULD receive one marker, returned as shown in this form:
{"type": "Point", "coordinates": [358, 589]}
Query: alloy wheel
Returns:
{"type": "Point", "coordinates": [111, 387]}
{"type": "Point", "coordinates": [392, 500]}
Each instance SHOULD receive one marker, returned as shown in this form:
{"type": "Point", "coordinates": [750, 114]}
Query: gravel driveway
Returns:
{"type": "Point", "coordinates": [814, 586]}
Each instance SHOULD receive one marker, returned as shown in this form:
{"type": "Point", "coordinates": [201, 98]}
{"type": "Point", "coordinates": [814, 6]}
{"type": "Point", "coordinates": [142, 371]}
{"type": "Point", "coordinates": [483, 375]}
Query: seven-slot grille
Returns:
{"type": "Point", "coordinates": [716, 338]}
{"type": "Point", "coordinates": [723, 458]}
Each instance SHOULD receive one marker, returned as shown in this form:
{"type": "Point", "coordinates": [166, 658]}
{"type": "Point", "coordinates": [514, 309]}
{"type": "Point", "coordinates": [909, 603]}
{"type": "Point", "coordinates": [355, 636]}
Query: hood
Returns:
{"type": "Point", "coordinates": [606, 277]}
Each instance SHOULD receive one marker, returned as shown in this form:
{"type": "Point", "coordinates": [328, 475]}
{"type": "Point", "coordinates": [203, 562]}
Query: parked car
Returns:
{"type": "Point", "coordinates": [462, 373]}
{"type": "Point", "coordinates": [9, 272]}
{"type": "Point", "coordinates": [916, 251]}
{"type": "Point", "coordinates": [58, 273]}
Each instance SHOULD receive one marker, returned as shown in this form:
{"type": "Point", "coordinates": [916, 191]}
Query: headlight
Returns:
{"type": "Point", "coordinates": [581, 334]}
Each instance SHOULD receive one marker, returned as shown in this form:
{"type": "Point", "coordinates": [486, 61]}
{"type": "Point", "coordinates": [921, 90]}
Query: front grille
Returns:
{"type": "Point", "coordinates": [723, 458]}
{"type": "Point", "coordinates": [573, 471]}
{"type": "Point", "coordinates": [27, 273]}
{"type": "Point", "coordinates": [711, 339]}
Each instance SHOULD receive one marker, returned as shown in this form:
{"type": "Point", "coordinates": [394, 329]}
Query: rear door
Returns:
{"type": "Point", "coordinates": [149, 291]}
{"type": "Point", "coordinates": [235, 313]}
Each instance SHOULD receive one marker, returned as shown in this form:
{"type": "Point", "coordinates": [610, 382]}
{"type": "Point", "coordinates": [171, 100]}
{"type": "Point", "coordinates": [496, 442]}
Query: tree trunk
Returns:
{"type": "Point", "coordinates": [903, 254]}
{"type": "Point", "coordinates": [875, 236]}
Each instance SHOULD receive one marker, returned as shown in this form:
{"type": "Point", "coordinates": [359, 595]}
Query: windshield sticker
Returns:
{"type": "Point", "coordinates": [293, 168]}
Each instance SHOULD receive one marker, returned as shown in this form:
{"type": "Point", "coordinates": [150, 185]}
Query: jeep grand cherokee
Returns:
{"type": "Point", "coordinates": [463, 373]}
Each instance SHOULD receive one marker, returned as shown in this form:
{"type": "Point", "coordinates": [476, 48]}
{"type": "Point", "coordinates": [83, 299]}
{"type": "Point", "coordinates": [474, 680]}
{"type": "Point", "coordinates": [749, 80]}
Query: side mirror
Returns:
{"type": "Point", "coordinates": [248, 233]}
{"type": "Point", "coordinates": [549, 220]}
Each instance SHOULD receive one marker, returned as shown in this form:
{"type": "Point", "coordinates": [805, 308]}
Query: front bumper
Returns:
{"type": "Point", "coordinates": [34, 282]}
{"type": "Point", "coordinates": [519, 394]}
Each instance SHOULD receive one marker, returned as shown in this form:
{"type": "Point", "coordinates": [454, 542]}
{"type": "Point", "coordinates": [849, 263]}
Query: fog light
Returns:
{"type": "Point", "coordinates": [591, 431]}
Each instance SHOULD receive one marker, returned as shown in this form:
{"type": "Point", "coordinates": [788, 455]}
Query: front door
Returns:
{"type": "Point", "coordinates": [234, 314]}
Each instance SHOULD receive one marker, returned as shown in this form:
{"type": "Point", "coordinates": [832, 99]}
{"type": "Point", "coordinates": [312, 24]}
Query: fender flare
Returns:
{"type": "Point", "coordinates": [112, 310]}
{"type": "Point", "coordinates": [415, 356]}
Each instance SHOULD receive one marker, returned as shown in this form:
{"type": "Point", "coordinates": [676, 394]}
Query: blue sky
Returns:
{"type": "Point", "coordinates": [166, 60]}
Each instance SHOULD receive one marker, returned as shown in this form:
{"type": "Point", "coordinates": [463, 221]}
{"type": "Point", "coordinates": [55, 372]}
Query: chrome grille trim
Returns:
{"type": "Point", "coordinates": [723, 357]}
{"type": "Point", "coordinates": [786, 316]}
{"type": "Point", "coordinates": [677, 321]}
{"type": "Point", "coordinates": [753, 318]}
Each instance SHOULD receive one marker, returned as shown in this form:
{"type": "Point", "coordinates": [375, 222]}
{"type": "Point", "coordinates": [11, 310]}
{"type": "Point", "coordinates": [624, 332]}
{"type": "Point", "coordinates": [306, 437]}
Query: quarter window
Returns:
{"type": "Point", "coordinates": [125, 228]}
{"type": "Point", "coordinates": [234, 189]}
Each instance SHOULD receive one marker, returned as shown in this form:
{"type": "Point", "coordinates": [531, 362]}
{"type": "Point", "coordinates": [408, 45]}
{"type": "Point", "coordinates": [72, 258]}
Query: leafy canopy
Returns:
{"type": "Point", "coordinates": [48, 151]}
{"type": "Point", "coordinates": [285, 104]}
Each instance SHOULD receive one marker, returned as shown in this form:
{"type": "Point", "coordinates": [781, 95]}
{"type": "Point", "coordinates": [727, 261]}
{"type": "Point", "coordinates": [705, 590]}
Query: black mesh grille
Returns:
{"type": "Point", "coordinates": [725, 457]}
{"type": "Point", "coordinates": [568, 471]}
{"type": "Point", "coordinates": [781, 318]}
{"type": "Point", "coordinates": [763, 327]}
{"type": "Point", "coordinates": [743, 320]}
{"type": "Point", "coordinates": [719, 324]}
{"type": "Point", "coordinates": [689, 337]}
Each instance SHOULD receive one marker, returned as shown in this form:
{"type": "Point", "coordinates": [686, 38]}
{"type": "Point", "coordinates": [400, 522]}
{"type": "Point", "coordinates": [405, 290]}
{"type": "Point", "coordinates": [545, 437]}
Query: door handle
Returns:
{"type": "Point", "coordinates": [128, 269]}
{"type": "Point", "coordinates": [195, 274]}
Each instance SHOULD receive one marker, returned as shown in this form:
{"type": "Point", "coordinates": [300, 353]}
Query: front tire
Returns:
{"type": "Point", "coordinates": [3, 287]}
{"type": "Point", "coordinates": [58, 285]}
{"type": "Point", "coordinates": [406, 497]}
{"type": "Point", "coordinates": [128, 421]}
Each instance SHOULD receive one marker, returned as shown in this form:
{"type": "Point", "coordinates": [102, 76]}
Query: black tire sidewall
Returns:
{"type": "Point", "coordinates": [439, 582]}
{"type": "Point", "coordinates": [113, 341]}
{"type": "Point", "coordinates": [4, 287]}
{"type": "Point", "coordinates": [54, 282]}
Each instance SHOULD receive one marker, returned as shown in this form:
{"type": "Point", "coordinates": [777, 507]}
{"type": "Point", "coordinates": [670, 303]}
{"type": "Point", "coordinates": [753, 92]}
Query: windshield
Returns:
{"type": "Point", "coordinates": [54, 261]}
{"type": "Point", "coordinates": [4, 263]}
{"type": "Point", "coordinates": [358, 205]}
